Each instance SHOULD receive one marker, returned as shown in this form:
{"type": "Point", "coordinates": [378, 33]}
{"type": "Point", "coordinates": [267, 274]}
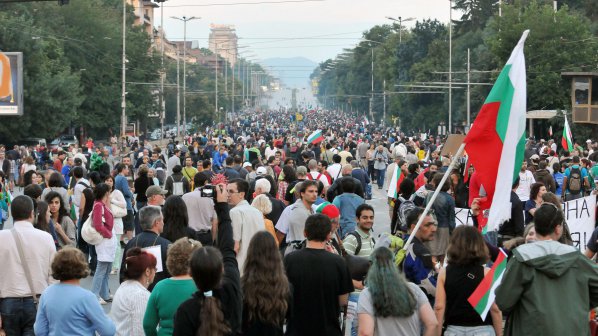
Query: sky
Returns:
{"type": "Point", "coordinates": [314, 29]}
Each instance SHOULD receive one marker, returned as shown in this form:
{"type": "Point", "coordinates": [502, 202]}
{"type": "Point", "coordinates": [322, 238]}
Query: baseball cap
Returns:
{"type": "Point", "coordinates": [246, 164]}
{"type": "Point", "coordinates": [589, 141]}
{"type": "Point", "coordinates": [155, 190]}
{"type": "Point", "coordinates": [328, 209]}
{"type": "Point", "coordinates": [261, 171]}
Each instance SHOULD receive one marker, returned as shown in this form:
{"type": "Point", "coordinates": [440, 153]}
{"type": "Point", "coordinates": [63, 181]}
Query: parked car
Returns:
{"type": "Point", "coordinates": [33, 142]}
{"type": "Point", "coordinates": [63, 142]}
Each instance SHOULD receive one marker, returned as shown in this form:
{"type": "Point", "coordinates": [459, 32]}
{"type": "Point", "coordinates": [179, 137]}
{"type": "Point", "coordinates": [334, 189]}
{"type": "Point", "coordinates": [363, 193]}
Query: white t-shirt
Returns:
{"type": "Point", "coordinates": [526, 179]}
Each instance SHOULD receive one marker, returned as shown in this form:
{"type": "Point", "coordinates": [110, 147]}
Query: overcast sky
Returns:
{"type": "Point", "coordinates": [337, 24]}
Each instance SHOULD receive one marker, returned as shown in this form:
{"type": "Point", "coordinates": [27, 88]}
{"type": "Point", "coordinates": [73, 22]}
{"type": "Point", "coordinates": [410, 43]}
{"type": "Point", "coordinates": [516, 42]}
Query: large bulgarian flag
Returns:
{"type": "Point", "coordinates": [483, 296]}
{"type": "Point", "coordinates": [395, 182]}
{"type": "Point", "coordinates": [496, 141]}
{"type": "Point", "coordinates": [567, 140]}
{"type": "Point", "coordinates": [315, 137]}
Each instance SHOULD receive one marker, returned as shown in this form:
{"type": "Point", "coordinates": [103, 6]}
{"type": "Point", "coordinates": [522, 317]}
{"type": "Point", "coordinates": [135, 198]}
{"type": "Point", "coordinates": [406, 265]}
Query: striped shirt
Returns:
{"type": "Point", "coordinates": [367, 243]}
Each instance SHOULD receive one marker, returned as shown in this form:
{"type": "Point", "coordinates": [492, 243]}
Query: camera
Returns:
{"type": "Point", "coordinates": [208, 191]}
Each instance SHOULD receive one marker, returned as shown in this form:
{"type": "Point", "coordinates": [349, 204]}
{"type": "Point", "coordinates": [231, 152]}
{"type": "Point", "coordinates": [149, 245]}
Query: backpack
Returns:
{"type": "Point", "coordinates": [404, 209]}
{"type": "Point", "coordinates": [574, 181]}
{"type": "Point", "coordinates": [177, 187]}
{"type": "Point", "coordinates": [358, 238]}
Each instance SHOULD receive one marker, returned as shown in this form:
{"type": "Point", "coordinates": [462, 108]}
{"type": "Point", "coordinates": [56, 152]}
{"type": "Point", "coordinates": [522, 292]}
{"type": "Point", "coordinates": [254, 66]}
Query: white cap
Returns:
{"type": "Point", "coordinates": [261, 171]}
{"type": "Point", "coordinates": [246, 164]}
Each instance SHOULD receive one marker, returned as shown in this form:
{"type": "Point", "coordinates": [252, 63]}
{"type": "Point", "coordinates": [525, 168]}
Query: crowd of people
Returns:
{"type": "Point", "coordinates": [250, 229]}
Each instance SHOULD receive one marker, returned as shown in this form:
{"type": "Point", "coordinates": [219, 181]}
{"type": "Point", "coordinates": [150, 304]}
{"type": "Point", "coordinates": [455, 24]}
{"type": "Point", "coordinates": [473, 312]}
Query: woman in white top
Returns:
{"type": "Point", "coordinates": [130, 299]}
{"type": "Point", "coordinates": [118, 206]}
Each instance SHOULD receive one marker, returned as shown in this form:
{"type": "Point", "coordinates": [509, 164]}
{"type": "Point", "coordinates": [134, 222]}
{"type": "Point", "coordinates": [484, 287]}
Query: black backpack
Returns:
{"type": "Point", "coordinates": [358, 237]}
{"type": "Point", "coordinates": [574, 182]}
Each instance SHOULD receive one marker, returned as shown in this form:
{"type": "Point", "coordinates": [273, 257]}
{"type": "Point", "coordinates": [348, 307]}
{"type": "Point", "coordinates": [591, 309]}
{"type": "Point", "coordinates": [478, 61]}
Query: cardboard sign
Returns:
{"type": "Point", "coordinates": [453, 142]}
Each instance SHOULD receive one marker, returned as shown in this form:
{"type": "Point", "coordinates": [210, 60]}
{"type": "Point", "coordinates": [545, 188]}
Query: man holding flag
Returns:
{"type": "Point", "coordinates": [548, 287]}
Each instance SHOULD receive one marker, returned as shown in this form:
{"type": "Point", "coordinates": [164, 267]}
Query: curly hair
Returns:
{"type": "Point", "coordinates": [69, 263]}
{"type": "Point", "coordinates": [264, 282]}
{"type": "Point", "coordinates": [390, 293]}
{"type": "Point", "coordinates": [467, 247]}
{"type": "Point", "coordinates": [179, 255]}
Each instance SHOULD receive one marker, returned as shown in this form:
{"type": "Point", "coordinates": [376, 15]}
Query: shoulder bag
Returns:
{"type": "Point", "coordinates": [89, 233]}
{"type": "Point", "coordinates": [19, 244]}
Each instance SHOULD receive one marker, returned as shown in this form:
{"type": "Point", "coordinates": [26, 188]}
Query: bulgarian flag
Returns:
{"type": "Point", "coordinates": [7, 196]}
{"type": "Point", "coordinates": [395, 182]}
{"type": "Point", "coordinates": [315, 137]}
{"type": "Point", "coordinates": [567, 140]}
{"type": "Point", "coordinates": [483, 297]}
{"type": "Point", "coordinates": [496, 141]}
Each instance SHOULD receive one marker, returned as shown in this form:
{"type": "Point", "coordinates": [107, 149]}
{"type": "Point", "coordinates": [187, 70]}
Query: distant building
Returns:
{"type": "Point", "coordinates": [223, 41]}
{"type": "Point", "coordinates": [144, 15]}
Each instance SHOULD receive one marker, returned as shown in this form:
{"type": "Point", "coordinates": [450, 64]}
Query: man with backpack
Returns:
{"type": "Point", "coordinates": [360, 243]}
{"type": "Point", "coordinates": [575, 180]}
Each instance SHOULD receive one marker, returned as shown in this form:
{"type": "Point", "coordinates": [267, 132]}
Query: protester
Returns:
{"type": "Point", "coordinates": [389, 305]}
{"type": "Point", "coordinates": [65, 308]}
{"type": "Point", "coordinates": [142, 182]}
{"type": "Point", "coordinates": [56, 183]}
{"type": "Point", "coordinates": [467, 253]}
{"type": "Point", "coordinates": [131, 297]}
{"type": "Point", "coordinates": [176, 220]}
{"type": "Point", "coordinates": [535, 201]}
{"type": "Point", "coordinates": [200, 210]}
{"type": "Point", "coordinates": [121, 183]}
{"type": "Point", "coordinates": [118, 206]}
{"type": "Point", "coordinates": [17, 298]}
{"type": "Point", "coordinates": [444, 211]}
{"type": "Point", "coordinates": [347, 202]}
{"type": "Point", "coordinates": [548, 264]}
{"type": "Point", "coordinates": [63, 225]}
{"type": "Point", "coordinates": [263, 204]}
{"type": "Point", "coordinates": [176, 183]}
{"type": "Point", "coordinates": [103, 222]}
{"type": "Point", "coordinates": [216, 308]}
{"type": "Point", "coordinates": [321, 283]}
{"type": "Point", "coordinates": [169, 293]}
{"type": "Point", "coordinates": [266, 292]}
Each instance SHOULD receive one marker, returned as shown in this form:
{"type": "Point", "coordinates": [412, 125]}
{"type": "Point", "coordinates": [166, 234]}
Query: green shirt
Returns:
{"type": "Point", "coordinates": [367, 244]}
{"type": "Point", "coordinates": [164, 301]}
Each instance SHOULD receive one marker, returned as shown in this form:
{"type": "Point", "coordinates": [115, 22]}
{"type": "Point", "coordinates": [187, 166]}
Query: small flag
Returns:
{"type": "Point", "coordinates": [73, 212]}
{"type": "Point", "coordinates": [483, 297]}
{"type": "Point", "coordinates": [567, 140]}
{"type": "Point", "coordinates": [395, 182]}
{"type": "Point", "coordinates": [315, 137]}
{"type": "Point", "coordinates": [550, 131]}
{"type": "Point", "coordinates": [7, 196]}
{"type": "Point", "coordinates": [496, 142]}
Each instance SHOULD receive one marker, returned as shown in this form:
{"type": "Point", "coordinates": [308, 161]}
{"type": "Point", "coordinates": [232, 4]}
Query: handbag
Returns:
{"type": "Point", "coordinates": [89, 233]}
{"type": "Point", "coordinates": [25, 265]}
{"type": "Point", "coordinates": [118, 211]}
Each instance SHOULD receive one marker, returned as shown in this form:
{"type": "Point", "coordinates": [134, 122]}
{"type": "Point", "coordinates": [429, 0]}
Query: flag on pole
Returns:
{"type": "Point", "coordinates": [483, 296]}
{"type": "Point", "coordinates": [315, 137]}
{"type": "Point", "coordinates": [7, 196]}
{"type": "Point", "coordinates": [550, 131]}
{"type": "Point", "coordinates": [395, 182]}
{"type": "Point", "coordinates": [496, 141]}
{"type": "Point", "coordinates": [567, 140]}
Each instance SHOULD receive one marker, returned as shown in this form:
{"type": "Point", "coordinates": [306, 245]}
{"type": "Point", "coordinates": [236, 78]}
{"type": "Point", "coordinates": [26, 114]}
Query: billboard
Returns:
{"type": "Point", "coordinates": [11, 83]}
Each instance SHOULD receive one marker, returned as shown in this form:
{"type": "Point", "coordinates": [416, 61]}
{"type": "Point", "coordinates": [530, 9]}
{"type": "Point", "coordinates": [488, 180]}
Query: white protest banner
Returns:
{"type": "Point", "coordinates": [580, 215]}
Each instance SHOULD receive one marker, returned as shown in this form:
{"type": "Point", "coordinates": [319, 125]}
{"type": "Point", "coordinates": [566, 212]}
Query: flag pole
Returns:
{"type": "Point", "coordinates": [431, 201]}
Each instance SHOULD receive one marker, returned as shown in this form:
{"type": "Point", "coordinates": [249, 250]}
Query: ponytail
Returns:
{"type": "Point", "coordinates": [212, 318]}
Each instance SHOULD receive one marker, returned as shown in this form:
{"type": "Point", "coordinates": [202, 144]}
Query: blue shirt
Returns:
{"type": "Point", "coordinates": [558, 180]}
{"type": "Point", "coordinates": [71, 310]}
{"type": "Point", "coordinates": [66, 170]}
{"type": "Point", "coordinates": [347, 203]}
{"type": "Point", "coordinates": [121, 183]}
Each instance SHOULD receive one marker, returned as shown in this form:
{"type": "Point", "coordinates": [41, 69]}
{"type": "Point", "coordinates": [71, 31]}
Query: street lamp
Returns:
{"type": "Point", "coordinates": [400, 20]}
{"type": "Point", "coordinates": [185, 20]}
{"type": "Point", "coordinates": [123, 103]}
{"type": "Point", "coordinates": [372, 78]}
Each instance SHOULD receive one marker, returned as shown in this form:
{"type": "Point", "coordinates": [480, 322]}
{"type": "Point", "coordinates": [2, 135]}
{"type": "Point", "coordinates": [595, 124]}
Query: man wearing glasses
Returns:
{"type": "Point", "coordinates": [419, 265]}
{"type": "Point", "coordinates": [548, 288]}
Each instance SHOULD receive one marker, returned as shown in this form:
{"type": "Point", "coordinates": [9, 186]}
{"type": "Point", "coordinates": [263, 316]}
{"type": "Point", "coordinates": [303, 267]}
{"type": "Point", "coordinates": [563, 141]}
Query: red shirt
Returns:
{"type": "Point", "coordinates": [58, 165]}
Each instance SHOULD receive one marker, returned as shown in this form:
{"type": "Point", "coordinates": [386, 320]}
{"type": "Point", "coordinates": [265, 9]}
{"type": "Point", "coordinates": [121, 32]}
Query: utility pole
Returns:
{"type": "Point", "coordinates": [178, 93]}
{"type": "Point", "coordinates": [468, 90]}
{"type": "Point", "coordinates": [185, 20]}
{"type": "Point", "coordinates": [450, 102]}
{"type": "Point", "coordinates": [372, 91]}
{"type": "Point", "coordinates": [162, 74]}
{"type": "Point", "coordinates": [216, 79]}
{"type": "Point", "coordinates": [123, 103]}
{"type": "Point", "coordinates": [384, 99]}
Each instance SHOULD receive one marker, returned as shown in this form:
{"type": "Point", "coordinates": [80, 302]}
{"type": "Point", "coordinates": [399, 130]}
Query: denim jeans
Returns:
{"type": "Point", "coordinates": [354, 297]}
{"type": "Point", "coordinates": [380, 177]}
{"type": "Point", "coordinates": [486, 330]}
{"type": "Point", "coordinates": [18, 316]}
{"type": "Point", "coordinates": [99, 286]}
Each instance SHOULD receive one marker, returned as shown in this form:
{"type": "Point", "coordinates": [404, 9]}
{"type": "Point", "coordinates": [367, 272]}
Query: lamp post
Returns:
{"type": "Point", "coordinates": [400, 20]}
{"type": "Point", "coordinates": [123, 103]}
{"type": "Point", "coordinates": [162, 72]}
{"type": "Point", "coordinates": [372, 78]}
{"type": "Point", "coordinates": [185, 20]}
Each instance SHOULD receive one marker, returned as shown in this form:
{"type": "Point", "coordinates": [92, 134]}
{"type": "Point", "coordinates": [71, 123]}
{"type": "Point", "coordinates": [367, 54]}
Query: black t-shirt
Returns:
{"type": "Point", "coordinates": [318, 278]}
{"type": "Point", "coordinates": [593, 241]}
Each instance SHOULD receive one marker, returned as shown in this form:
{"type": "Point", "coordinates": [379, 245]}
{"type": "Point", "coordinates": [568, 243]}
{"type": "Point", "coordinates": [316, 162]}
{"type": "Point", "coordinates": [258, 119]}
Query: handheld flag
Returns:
{"type": "Point", "coordinates": [496, 142]}
{"type": "Point", "coordinates": [550, 131]}
{"type": "Point", "coordinates": [395, 182]}
{"type": "Point", "coordinates": [315, 137]}
{"type": "Point", "coordinates": [483, 297]}
{"type": "Point", "coordinates": [567, 140]}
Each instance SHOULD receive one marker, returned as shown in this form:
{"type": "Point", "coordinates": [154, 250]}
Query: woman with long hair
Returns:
{"type": "Point", "coordinates": [289, 176]}
{"type": "Point", "coordinates": [43, 220]}
{"type": "Point", "coordinates": [265, 287]}
{"type": "Point", "coordinates": [141, 183]}
{"type": "Point", "coordinates": [63, 224]}
{"type": "Point", "coordinates": [215, 309]}
{"type": "Point", "coordinates": [535, 200]}
{"type": "Point", "coordinates": [389, 305]}
{"type": "Point", "coordinates": [118, 204]}
{"type": "Point", "coordinates": [176, 220]}
{"type": "Point", "coordinates": [168, 294]}
{"type": "Point", "coordinates": [467, 253]}
{"type": "Point", "coordinates": [103, 222]}
{"type": "Point", "coordinates": [549, 197]}
{"type": "Point", "coordinates": [130, 299]}
{"type": "Point", "coordinates": [67, 309]}
{"type": "Point", "coordinates": [55, 182]}
{"type": "Point", "coordinates": [30, 177]}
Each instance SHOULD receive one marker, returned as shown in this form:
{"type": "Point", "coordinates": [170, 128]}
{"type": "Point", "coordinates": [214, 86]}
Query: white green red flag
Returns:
{"type": "Point", "coordinates": [567, 140]}
{"type": "Point", "coordinates": [7, 196]}
{"type": "Point", "coordinates": [315, 137]}
{"type": "Point", "coordinates": [395, 182]}
{"type": "Point", "coordinates": [483, 296]}
{"type": "Point", "coordinates": [496, 141]}
{"type": "Point", "coordinates": [550, 131]}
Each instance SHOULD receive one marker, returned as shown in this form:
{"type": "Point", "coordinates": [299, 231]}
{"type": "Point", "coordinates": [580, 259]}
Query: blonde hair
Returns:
{"type": "Point", "coordinates": [262, 203]}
